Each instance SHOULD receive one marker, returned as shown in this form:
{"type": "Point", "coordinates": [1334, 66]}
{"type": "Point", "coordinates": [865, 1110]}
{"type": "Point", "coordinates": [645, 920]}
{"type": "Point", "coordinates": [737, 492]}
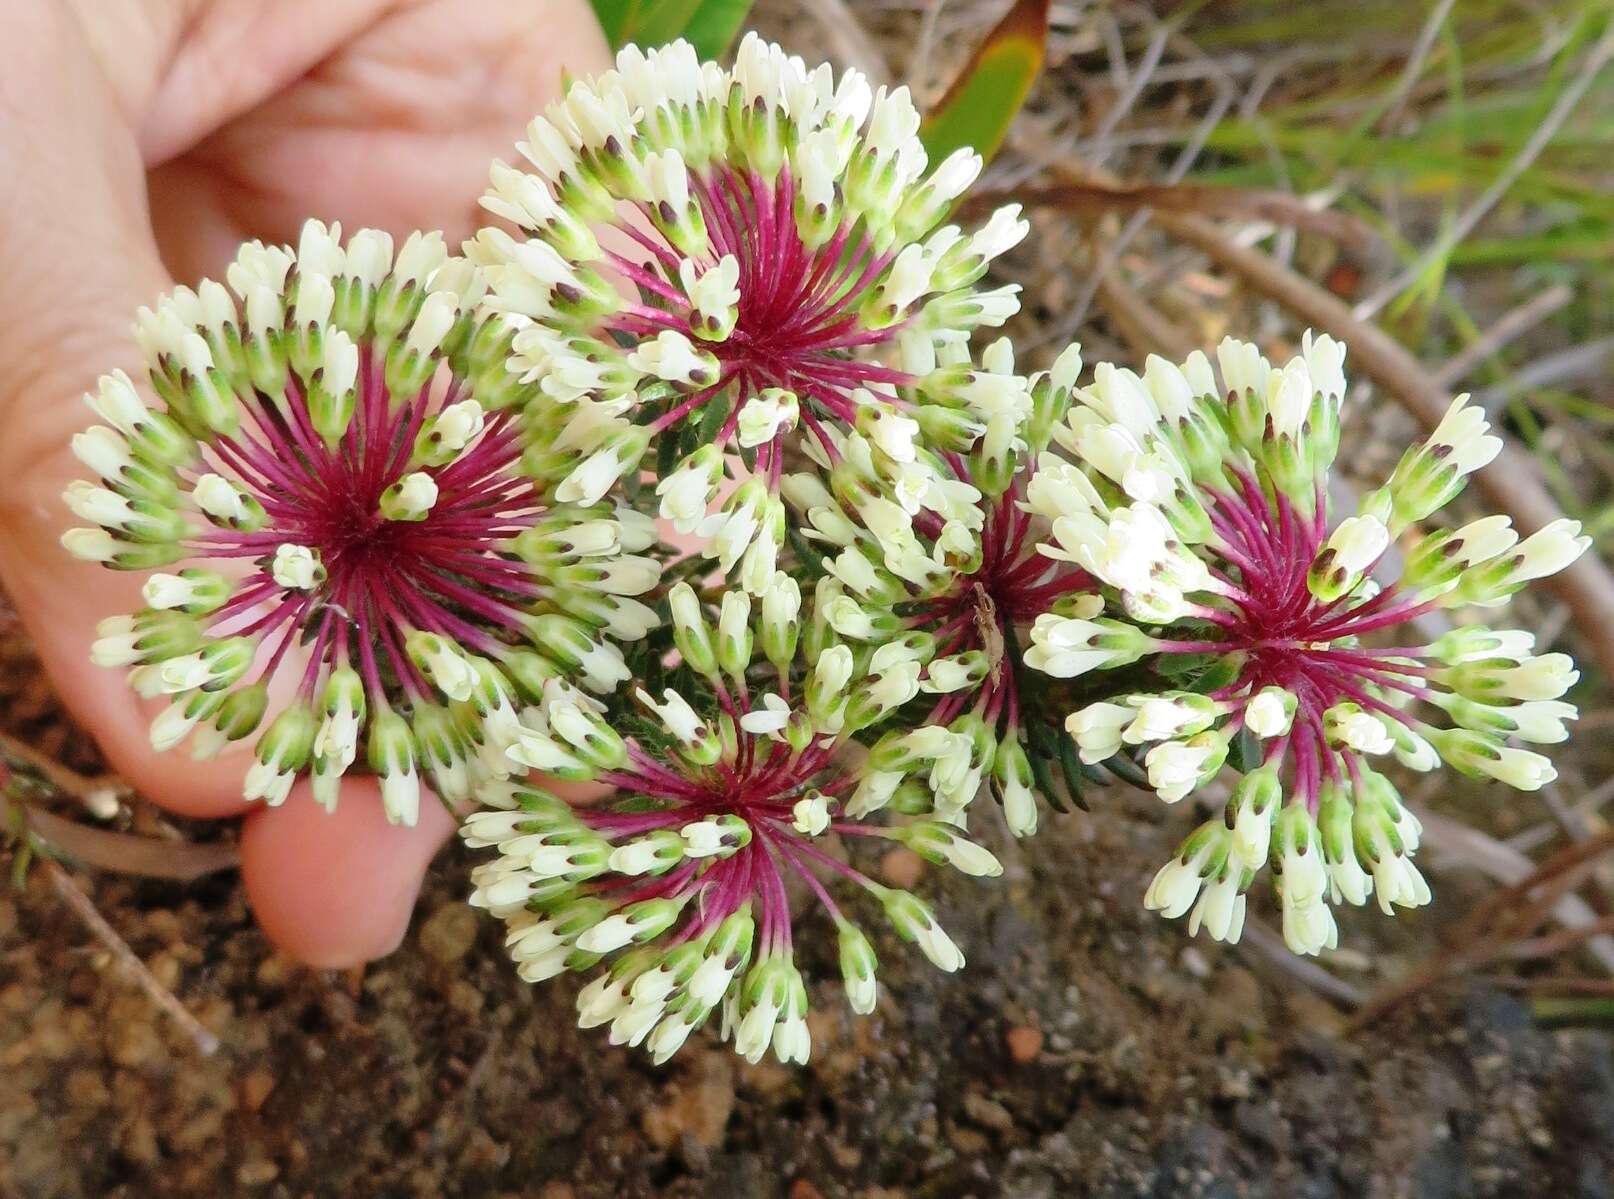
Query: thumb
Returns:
{"type": "Point", "coordinates": [81, 260]}
{"type": "Point", "coordinates": [337, 888]}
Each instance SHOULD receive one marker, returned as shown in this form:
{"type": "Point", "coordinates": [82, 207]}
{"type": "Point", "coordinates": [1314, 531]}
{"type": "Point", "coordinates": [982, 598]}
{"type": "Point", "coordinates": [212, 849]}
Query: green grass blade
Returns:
{"type": "Point", "coordinates": [985, 98]}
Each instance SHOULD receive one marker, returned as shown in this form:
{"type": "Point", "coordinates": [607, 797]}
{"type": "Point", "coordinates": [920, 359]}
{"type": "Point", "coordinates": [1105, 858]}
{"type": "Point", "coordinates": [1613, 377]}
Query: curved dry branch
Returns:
{"type": "Point", "coordinates": [1511, 482]}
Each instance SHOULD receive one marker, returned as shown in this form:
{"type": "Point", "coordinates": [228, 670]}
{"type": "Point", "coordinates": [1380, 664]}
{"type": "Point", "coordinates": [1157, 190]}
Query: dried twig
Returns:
{"type": "Point", "coordinates": [1552, 944]}
{"type": "Point", "coordinates": [91, 792]}
{"type": "Point", "coordinates": [848, 39]}
{"type": "Point", "coordinates": [1142, 325]}
{"type": "Point", "coordinates": [1494, 927]}
{"type": "Point", "coordinates": [124, 853]}
{"type": "Point", "coordinates": [1511, 482]}
{"type": "Point", "coordinates": [74, 897]}
{"type": "Point", "coordinates": [121, 853]}
{"type": "Point", "coordinates": [1503, 863]}
{"type": "Point", "coordinates": [1601, 987]}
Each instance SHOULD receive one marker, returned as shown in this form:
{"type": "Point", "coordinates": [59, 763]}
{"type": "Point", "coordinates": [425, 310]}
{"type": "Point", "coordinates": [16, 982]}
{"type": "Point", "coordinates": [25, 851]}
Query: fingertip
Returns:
{"type": "Point", "coordinates": [174, 781]}
{"type": "Point", "coordinates": [120, 723]}
{"type": "Point", "coordinates": [336, 889]}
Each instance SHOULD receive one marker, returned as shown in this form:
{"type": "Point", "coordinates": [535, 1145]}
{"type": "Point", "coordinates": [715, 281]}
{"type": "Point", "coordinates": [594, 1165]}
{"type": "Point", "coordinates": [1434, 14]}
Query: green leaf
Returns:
{"type": "Point", "coordinates": [645, 22]}
{"type": "Point", "coordinates": [988, 94]}
{"type": "Point", "coordinates": [710, 25]}
{"type": "Point", "coordinates": [713, 415]}
{"type": "Point", "coordinates": [1247, 752]}
{"type": "Point", "coordinates": [715, 25]}
{"type": "Point", "coordinates": [1070, 766]}
{"type": "Point", "coordinates": [1128, 771]}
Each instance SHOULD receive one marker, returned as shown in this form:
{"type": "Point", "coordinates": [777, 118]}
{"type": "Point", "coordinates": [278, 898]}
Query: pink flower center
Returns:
{"type": "Point", "coordinates": [1013, 585]}
{"type": "Point", "coordinates": [799, 323]}
{"type": "Point", "coordinates": [761, 786]}
{"type": "Point", "coordinates": [1293, 640]}
{"type": "Point", "coordinates": [445, 573]}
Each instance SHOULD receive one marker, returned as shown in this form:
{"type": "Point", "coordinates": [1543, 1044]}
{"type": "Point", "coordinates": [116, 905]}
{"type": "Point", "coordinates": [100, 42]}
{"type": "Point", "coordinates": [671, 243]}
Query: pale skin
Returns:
{"type": "Point", "coordinates": [140, 142]}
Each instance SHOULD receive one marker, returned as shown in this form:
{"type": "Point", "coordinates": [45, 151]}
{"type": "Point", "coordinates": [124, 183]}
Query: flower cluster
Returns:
{"type": "Point", "coordinates": [715, 258]}
{"type": "Point", "coordinates": [936, 546]}
{"type": "Point", "coordinates": [1205, 513]}
{"type": "Point", "coordinates": [729, 793]}
{"type": "Point", "coordinates": [400, 512]}
{"type": "Point", "coordinates": [330, 494]}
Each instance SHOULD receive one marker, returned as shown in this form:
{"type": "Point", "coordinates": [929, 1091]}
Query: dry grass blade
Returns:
{"type": "Point", "coordinates": [123, 853]}
{"type": "Point", "coordinates": [1270, 946]}
{"type": "Point", "coordinates": [74, 897]}
{"type": "Point", "coordinates": [1493, 930]}
{"type": "Point", "coordinates": [1568, 100]}
{"type": "Point", "coordinates": [1279, 208]}
{"type": "Point", "coordinates": [1514, 324]}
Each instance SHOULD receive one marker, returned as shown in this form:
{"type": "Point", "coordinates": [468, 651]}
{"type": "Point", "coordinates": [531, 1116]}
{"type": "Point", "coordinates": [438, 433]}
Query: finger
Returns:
{"type": "Point", "coordinates": [80, 260]}
{"type": "Point", "coordinates": [337, 888]}
{"type": "Point", "coordinates": [395, 131]}
{"type": "Point", "coordinates": [233, 57]}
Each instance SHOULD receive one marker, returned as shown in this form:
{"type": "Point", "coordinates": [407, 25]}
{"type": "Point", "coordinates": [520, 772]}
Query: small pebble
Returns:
{"type": "Point", "coordinates": [257, 1173]}
{"type": "Point", "coordinates": [449, 933]}
{"type": "Point", "coordinates": [1024, 1043]}
{"type": "Point", "coordinates": [902, 868]}
{"type": "Point", "coordinates": [255, 1089]}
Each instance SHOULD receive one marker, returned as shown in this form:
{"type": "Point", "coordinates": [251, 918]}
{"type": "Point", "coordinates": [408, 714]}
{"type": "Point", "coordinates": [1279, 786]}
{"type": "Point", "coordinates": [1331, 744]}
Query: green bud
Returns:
{"type": "Point", "coordinates": [946, 428]}
{"type": "Point", "coordinates": [734, 637]}
{"type": "Point", "coordinates": [289, 740]}
{"type": "Point", "coordinates": [858, 966]}
{"type": "Point", "coordinates": [227, 660]}
{"type": "Point", "coordinates": [529, 671]}
{"type": "Point", "coordinates": [1013, 781]}
{"type": "Point", "coordinates": [242, 711]}
{"type": "Point", "coordinates": [994, 463]}
{"type": "Point", "coordinates": [691, 632]}
{"type": "Point", "coordinates": [163, 635]}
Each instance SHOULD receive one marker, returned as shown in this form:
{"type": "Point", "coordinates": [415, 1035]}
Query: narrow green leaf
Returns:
{"type": "Point", "coordinates": [987, 95]}
{"type": "Point", "coordinates": [714, 26]}
{"type": "Point", "coordinates": [1070, 766]}
{"type": "Point", "coordinates": [1128, 771]}
{"type": "Point", "coordinates": [1043, 780]}
{"type": "Point", "coordinates": [1247, 752]}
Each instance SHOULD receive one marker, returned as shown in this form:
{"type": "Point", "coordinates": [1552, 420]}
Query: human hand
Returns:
{"type": "Point", "coordinates": [140, 142]}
